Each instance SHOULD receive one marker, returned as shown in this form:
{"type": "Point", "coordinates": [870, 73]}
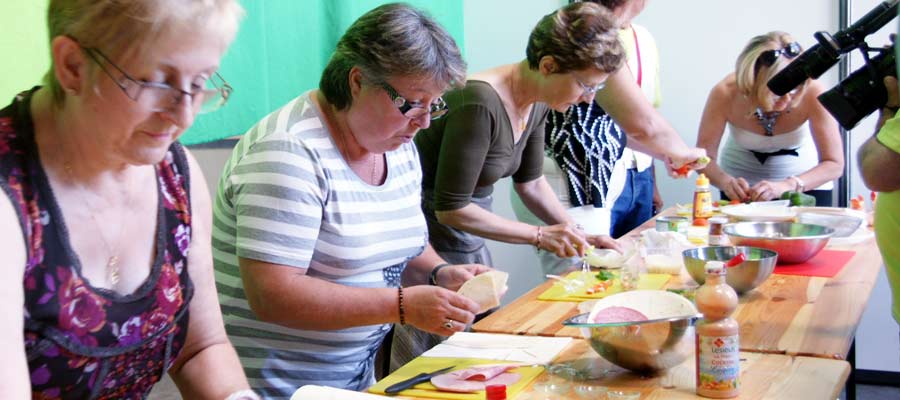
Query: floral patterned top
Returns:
{"type": "Point", "coordinates": [84, 342]}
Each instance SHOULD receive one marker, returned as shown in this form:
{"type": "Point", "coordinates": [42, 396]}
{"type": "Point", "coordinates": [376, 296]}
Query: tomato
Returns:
{"type": "Point", "coordinates": [701, 222]}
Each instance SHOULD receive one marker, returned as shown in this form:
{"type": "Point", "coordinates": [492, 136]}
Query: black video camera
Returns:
{"type": "Point", "coordinates": [863, 91]}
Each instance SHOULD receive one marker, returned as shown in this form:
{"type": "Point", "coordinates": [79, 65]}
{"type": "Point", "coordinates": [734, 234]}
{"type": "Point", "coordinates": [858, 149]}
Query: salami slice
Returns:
{"type": "Point", "coordinates": [618, 314]}
{"type": "Point", "coordinates": [476, 378]}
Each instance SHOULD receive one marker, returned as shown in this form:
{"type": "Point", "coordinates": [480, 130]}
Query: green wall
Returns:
{"type": "Point", "coordinates": [280, 51]}
{"type": "Point", "coordinates": [23, 46]}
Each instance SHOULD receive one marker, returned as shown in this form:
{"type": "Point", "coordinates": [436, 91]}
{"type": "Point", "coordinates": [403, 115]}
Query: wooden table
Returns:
{"type": "Point", "coordinates": [792, 315]}
{"type": "Point", "coordinates": [763, 376]}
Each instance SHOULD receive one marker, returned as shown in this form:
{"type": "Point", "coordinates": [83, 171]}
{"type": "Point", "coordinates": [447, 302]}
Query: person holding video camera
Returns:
{"type": "Point", "coordinates": [879, 159]}
{"type": "Point", "coordinates": [776, 144]}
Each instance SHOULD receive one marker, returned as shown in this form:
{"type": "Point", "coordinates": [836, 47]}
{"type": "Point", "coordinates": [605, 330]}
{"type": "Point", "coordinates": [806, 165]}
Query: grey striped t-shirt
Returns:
{"type": "Point", "coordinates": [287, 197]}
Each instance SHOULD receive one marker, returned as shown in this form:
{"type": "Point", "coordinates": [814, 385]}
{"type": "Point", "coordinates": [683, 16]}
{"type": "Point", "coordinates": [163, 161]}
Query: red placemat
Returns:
{"type": "Point", "coordinates": [825, 264]}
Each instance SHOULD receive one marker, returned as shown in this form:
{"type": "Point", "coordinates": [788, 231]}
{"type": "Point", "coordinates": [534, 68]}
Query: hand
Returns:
{"type": "Point", "coordinates": [429, 308]}
{"type": "Point", "coordinates": [657, 201]}
{"type": "Point", "coordinates": [766, 190]}
{"type": "Point", "coordinates": [680, 166]}
{"type": "Point", "coordinates": [893, 101]}
{"type": "Point", "coordinates": [604, 242]}
{"type": "Point", "coordinates": [453, 276]}
{"type": "Point", "coordinates": [564, 240]}
{"type": "Point", "coordinates": [737, 189]}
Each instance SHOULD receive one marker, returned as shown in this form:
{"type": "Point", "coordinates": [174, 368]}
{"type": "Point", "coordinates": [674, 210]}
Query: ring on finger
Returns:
{"type": "Point", "coordinates": [448, 324]}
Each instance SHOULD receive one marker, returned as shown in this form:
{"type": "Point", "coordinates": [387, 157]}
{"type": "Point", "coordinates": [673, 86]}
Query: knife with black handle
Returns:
{"type": "Point", "coordinates": [423, 377]}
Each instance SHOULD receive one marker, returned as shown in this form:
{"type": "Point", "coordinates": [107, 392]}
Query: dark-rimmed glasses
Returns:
{"type": "Point", "coordinates": [412, 110]}
{"type": "Point", "coordinates": [158, 96]}
{"type": "Point", "coordinates": [768, 57]}
{"type": "Point", "coordinates": [588, 89]}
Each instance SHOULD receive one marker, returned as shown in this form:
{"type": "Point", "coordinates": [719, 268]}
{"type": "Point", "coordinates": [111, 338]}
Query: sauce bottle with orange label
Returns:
{"type": "Point", "coordinates": [718, 347]}
{"type": "Point", "coordinates": [703, 208]}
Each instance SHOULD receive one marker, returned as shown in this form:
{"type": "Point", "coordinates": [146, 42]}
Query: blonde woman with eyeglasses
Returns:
{"type": "Point", "coordinates": [775, 143]}
{"type": "Point", "coordinates": [105, 222]}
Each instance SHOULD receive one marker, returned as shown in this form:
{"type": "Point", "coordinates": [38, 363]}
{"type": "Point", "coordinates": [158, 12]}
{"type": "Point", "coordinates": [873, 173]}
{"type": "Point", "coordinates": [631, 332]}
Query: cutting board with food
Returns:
{"type": "Point", "coordinates": [465, 380]}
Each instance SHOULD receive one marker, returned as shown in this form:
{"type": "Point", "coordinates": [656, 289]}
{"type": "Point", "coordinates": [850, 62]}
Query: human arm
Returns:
{"type": "Point", "coordinates": [709, 137]}
{"type": "Point", "coordinates": [286, 296]}
{"type": "Point", "coordinates": [827, 138]}
{"type": "Point", "coordinates": [647, 130]}
{"type": "Point", "coordinates": [208, 366]}
{"type": "Point", "coordinates": [15, 382]}
{"type": "Point", "coordinates": [881, 152]}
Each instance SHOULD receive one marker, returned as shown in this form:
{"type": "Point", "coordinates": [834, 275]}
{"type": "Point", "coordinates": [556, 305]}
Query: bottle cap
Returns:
{"type": "Point", "coordinates": [495, 392]}
{"type": "Point", "coordinates": [702, 181]}
{"type": "Point", "coordinates": [715, 268]}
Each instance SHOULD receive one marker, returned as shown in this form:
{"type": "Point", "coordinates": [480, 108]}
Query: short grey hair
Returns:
{"type": "Point", "coordinates": [124, 27]}
{"type": "Point", "coordinates": [392, 40]}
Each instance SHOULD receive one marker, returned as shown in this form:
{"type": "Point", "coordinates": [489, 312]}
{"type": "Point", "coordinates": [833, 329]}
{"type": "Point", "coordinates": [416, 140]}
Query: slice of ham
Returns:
{"type": "Point", "coordinates": [618, 314]}
{"type": "Point", "coordinates": [476, 378]}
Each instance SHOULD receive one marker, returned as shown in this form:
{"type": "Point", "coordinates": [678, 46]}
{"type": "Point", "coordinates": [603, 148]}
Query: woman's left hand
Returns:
{"type": "Point", "coordinates": [766, 190]}
{"type": "Point", "coordinates": [453, 276]}
{"type": "Point", "coordinates": [604, 242]}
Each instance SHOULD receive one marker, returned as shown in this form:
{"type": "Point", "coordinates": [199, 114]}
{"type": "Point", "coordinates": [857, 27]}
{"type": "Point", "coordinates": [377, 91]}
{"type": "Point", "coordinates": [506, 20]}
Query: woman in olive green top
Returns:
{"type": "Point", "coordinates": [495, 129]}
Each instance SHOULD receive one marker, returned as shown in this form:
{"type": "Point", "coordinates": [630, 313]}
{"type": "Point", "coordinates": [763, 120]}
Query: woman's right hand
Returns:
{"type": "Point", "coordinates": [430, 308]}
{"type": "Point", "coordinates": [736, 189]}
{"type": "Point", "coordinates": [564, 240]}
{"type": "Point", "coordinates": [676, 163]}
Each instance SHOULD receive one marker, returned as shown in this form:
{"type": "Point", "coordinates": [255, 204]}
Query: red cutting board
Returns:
{"type": "Point", "coordinates": [825, 264]}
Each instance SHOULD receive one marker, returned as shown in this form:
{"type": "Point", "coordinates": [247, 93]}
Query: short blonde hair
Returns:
{"type": "Point", "coordinates": [751, 75]}
{"type": "Point", "coordinates": [124, 27]}
{"type": "Point", "coordinates": [578, 36]}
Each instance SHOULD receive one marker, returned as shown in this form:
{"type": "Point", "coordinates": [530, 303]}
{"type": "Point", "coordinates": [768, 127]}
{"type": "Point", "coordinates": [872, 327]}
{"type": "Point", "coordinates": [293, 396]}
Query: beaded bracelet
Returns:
{"type": "Point", "coordinates": [400, 305]}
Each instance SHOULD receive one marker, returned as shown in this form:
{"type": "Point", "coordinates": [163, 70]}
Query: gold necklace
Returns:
{"type": "Point", "coordinates": [345, 152]}
{"type": "Point", "coordinates": [112, 262]}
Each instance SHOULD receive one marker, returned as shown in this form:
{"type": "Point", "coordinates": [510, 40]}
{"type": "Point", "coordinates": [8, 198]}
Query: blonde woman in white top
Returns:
{"type": "Point", "coordinates": [769, 151]}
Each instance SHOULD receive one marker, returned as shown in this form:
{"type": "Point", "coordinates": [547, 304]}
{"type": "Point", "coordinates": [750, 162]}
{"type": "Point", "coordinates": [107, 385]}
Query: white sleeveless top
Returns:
{"type": "Point", "coordinates": [737, 158]}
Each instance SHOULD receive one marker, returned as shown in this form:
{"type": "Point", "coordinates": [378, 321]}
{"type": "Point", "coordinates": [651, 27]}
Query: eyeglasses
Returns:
{"type": "Point", "coordinates": [412, 110]}
{"type": "Point", "coordinates": [588, 89]}
{"type": "Point", "coordinates": [157, 96]}
{"type": "Point", "coordinates": [769, 57]}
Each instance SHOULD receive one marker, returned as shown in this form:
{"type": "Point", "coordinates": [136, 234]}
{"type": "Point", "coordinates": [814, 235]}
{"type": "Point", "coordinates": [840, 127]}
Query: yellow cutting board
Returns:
{"type": "Point", "coordinates": [429, 364]}
{"type": "Point", "coordinates": [558, 293]}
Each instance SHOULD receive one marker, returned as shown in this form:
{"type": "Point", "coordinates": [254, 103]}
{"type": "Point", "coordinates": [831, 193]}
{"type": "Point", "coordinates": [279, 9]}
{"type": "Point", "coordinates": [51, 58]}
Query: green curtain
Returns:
{"type": "Point", "coordinates": [280, 51]}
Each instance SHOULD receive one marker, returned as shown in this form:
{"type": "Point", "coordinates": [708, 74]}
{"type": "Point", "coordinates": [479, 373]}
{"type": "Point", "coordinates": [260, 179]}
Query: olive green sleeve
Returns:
{"type": "Point", "coordinates": [467, 137]}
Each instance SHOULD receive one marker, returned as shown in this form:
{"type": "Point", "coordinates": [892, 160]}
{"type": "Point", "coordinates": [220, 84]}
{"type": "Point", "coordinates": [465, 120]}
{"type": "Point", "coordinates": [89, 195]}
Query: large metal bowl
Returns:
{"type": "Point", "coordinates": [646, 347]}
{"type": "Point", "coordinates": [743, 277]}
{"type": "Point", "coordinates": [794, 242]}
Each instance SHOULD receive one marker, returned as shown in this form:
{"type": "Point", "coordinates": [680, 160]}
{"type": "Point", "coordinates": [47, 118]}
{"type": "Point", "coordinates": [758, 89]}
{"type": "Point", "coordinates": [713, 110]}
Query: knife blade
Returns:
{"type": "Point", "coordinates": [425, 376]}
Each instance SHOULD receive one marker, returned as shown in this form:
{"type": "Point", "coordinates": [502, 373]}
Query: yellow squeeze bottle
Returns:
{"type": "Point", "coordinates": [702, 199]}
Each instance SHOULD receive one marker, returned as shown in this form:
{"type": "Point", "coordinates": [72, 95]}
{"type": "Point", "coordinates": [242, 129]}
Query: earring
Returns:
{"type": "Point", "coordinates": [69, 91]}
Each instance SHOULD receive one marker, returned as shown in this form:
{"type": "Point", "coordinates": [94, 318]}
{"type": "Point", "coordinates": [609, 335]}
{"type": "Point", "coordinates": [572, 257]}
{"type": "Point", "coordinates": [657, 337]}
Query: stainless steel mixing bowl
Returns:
{"type": "Point", "coordinates": [646, 347]}
{"type": "Point", "coordinates": [794, 242]}
{"type": "Point", "coordinates": [743, 277]}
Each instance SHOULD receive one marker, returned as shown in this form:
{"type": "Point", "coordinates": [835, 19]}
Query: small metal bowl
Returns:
{"type": "Point", "coordinates": [743, 277]}
{"type": "Point", "coordinates": [646, 347]}
{"type": "Point", "coordinates": [794, 242]}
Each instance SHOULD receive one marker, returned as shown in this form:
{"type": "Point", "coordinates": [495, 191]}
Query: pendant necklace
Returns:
{"type": "Point", "coordinates": [112, 261]}
{"type": "Point", "coordinates": [767, 120]}
{"type": "Point", "coordinates": [345, 152]}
